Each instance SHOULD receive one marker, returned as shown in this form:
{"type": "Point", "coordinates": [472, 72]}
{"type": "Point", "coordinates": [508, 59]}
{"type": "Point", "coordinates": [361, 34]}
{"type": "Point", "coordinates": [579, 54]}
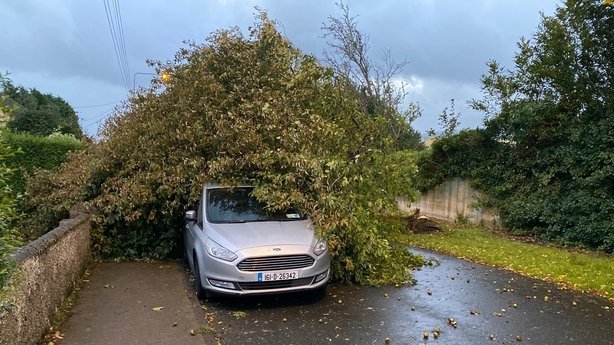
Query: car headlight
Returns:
{"type": "Point", "coordinates": [320, 247]}
{"type": "Point", "coordinates": [218, 251]}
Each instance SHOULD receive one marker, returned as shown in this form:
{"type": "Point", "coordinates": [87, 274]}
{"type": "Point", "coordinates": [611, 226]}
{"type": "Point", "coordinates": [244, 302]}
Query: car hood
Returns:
{"type": "Point", "coordinates": [237, 236]}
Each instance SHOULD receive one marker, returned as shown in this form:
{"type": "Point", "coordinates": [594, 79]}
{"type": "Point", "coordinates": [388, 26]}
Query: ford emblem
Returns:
{"type": "Point", "coordinates": [276, 249]}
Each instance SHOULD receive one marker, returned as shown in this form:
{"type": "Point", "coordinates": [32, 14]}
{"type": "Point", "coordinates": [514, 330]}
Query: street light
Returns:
{"type": "Point", "coordinates": [165, 77]}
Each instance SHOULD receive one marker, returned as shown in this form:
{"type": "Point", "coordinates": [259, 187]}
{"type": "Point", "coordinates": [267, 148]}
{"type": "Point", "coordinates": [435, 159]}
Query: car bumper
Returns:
{"type": "Point", "coordinates": [224, 277]}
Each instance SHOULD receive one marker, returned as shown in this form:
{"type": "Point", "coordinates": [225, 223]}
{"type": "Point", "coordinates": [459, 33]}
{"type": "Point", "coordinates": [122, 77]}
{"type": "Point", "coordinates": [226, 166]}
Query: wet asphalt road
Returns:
{"type": "Point", "coordinates": [489, 306]}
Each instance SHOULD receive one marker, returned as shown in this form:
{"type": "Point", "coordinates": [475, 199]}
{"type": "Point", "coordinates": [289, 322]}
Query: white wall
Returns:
{"type": "Point", "coordinates": [452, 199]}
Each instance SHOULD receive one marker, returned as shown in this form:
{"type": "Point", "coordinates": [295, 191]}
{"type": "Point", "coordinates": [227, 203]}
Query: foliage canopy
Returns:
{"type": "Point", "coordinates": [243, 110]}
{"type": "Point", "coordinates": [38, 113]}
{"type": "Point", "coordinates": [8, 212]}
{"type": "Point", "coordinates": [545, 155]}
{"type": "Point", "coordinates": [36, 152]}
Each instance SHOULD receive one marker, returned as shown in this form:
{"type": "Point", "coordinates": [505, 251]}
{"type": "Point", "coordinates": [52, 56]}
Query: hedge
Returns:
{"type": "Point", "coordinates": [36, 152]}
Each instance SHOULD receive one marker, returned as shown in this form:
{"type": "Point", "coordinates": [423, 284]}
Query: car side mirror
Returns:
{"type": "Point", "coordinates": [190, 216]}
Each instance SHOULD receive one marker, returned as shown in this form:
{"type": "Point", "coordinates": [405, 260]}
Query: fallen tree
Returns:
{"type": "Point", "coordinates": [242, 110]}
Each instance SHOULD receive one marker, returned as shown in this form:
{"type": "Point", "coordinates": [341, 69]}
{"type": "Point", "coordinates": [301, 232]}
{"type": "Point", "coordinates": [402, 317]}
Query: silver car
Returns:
{"type": "Point", "coordinates": [235, 246]}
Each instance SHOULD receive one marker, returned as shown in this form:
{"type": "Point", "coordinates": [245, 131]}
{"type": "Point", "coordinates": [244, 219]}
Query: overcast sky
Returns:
{"type": "Point", "coordinates": [64, 47]}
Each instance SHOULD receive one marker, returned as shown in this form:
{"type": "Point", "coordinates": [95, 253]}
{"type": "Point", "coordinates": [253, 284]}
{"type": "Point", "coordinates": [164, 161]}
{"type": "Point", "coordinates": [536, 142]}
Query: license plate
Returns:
{"type": "Point", "coordinates": [280, 275]}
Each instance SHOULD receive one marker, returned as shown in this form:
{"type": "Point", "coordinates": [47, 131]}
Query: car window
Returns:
{"type": "Point", "coordinates": [237, 205]}
{"type": "Point", "coordinates": [199, 219]}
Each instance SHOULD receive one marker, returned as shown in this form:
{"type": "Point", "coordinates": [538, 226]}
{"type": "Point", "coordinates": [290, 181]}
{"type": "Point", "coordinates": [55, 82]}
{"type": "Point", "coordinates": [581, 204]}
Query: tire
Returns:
{"type": "Point", "coordinates": [201, 293]}
{"type": "Point", "coordinates": [319, 293]}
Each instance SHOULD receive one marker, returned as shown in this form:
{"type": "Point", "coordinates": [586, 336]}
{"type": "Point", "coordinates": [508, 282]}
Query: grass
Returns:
{"type": "Point", "coordinates": [579, 270]}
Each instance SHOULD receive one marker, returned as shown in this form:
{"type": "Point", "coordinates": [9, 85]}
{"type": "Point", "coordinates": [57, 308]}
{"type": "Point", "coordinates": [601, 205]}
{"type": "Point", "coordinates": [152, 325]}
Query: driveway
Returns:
{"type": "Point", "coordinates": [488, 306]}
{"type": "Point", "coordinates": [460, 302]}
{"type": "Point", "coordinates": [135, 303]}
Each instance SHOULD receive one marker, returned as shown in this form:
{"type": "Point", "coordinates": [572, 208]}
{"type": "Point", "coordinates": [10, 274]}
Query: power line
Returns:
{"type": "Point", "coordinates": [112, 30]}
{"type": "Point", "coordinates": [119, 30]}
{"type": "Point", "coordinates": [123, 40]}
{"type": "Point", "coordinates": [119, 44]}
{"type": "Point", "coordinates": [95, 105]}
{"type": "Point", "coordinates": [98, 118]}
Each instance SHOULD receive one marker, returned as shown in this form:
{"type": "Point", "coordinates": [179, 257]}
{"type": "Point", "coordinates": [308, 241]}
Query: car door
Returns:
{"type": "Point", "coordinates": [197, 230]}
{"type": "Point", "coordinates": [190, 235]}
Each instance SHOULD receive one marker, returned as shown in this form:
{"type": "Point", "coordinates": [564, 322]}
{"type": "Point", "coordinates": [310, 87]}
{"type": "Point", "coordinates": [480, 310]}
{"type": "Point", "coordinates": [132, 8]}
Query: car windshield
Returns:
{"type": "Point", "coordinates": [237, 205]}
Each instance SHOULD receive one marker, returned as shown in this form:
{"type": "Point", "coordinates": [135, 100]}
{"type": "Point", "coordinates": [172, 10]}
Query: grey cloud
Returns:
{"type": "Point", "coordinates": [56, 42]}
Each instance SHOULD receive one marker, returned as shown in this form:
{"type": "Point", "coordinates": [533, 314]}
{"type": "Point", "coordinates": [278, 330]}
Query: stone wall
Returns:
{"type": "Point", "coordinates": [48, 268]}
{"type": "Point", "coordinates": [450, 201]}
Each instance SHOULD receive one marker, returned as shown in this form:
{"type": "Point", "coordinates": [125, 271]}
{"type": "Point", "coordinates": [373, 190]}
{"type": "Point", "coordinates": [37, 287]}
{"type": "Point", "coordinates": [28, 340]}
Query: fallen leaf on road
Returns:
{"type": "Point", "coordinates": [239, 314]}
{"type": "Point", "coordinates": [157, 308]}
{"type": "Point", "coordinates": [201, 330]}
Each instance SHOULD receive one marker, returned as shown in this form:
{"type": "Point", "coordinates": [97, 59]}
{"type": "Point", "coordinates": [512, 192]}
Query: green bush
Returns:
{"type": "Point", "coordinates": [544, 157]}
{"type": "Point", "coordinates": [8, 215]}
{"type": "Point", "coordinates": [242, 110]}
{"type": "Point", "coordinates": [51, 193]}
{"type": "Point", "coordinates": [35, 152]}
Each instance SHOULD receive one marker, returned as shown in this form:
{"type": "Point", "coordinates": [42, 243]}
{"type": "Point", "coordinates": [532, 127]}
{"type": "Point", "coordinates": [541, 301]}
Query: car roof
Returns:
{"type": "Point", "coordinates": [211, 185]}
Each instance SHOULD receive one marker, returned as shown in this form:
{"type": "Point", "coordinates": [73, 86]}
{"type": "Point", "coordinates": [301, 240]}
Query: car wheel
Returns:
{"type": "Point", "coordinates": [201, 293]}
{"type": "Point", "coordinates": [319, 293]}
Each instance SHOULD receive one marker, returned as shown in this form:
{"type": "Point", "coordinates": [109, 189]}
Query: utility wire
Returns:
{"type": "Point", "coordinates": [98, 118]}
{"type": "Point", "coordinates": [123, 40]}
{"type": "Point", "coordinates": [95, 105]}
{"type": "Point", "coordinates": [113, 37]}
{"type": "Point", "coordinates": [119, 30]}
{"type": "Point", "coordinates": [118, 43]}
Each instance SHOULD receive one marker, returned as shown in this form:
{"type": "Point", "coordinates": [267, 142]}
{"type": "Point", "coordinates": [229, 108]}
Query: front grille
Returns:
{"type": "Point", "coordinates": [277, 284]}
{"type": "Point", "coordinates": [275, 263]}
